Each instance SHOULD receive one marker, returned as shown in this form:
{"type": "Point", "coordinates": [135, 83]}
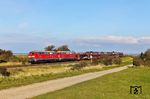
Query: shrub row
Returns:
{"type": "Point", "coordinates": [79, 66]}
{"type": "Point", "coordinates": [107, 60]}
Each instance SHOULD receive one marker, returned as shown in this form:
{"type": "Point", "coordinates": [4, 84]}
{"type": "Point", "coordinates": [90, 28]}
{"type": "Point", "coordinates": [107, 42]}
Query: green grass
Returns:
{"type": "Point", "coordinates": [31, 75]}
{"type": "Point", "coordinates": [127, 60]}
{"type": "Point", "coordinates": [111, 86]}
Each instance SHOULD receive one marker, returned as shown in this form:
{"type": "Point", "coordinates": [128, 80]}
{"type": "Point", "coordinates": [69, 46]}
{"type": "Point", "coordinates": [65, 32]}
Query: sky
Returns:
{"type": "Point", "coordinates": [83, 25]}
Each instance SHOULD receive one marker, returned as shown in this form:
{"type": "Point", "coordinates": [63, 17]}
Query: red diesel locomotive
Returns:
{"type": "Point", "coordinates": [48, 56]}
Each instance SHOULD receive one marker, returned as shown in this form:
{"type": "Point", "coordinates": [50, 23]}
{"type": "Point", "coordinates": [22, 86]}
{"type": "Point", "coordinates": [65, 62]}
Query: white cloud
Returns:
{"type": "Point", "coordinates": [116, 40]}
{"type": "Point", "coordinates": [145, 40]}
{"type": "Point", "coordinates": [119, 39]}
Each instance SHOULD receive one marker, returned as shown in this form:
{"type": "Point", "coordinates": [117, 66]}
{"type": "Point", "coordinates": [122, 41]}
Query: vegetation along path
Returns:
{"type": "Point", "coordinates": [32, 90]}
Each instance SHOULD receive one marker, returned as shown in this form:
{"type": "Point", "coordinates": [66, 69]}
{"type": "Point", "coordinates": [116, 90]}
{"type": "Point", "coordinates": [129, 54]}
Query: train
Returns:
{"type": "Point", "coordinates": [53, 56]}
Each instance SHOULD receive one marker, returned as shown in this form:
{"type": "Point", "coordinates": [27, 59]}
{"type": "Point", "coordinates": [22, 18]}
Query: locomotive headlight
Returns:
{"type": "Point", "coordinates": [33, 56]}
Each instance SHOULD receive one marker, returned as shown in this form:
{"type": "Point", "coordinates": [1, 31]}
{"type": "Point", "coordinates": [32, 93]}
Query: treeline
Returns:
{"type": "Point", "coordinates": [60, 48]}
{"type": "Point", "coordinates": [142, 59]}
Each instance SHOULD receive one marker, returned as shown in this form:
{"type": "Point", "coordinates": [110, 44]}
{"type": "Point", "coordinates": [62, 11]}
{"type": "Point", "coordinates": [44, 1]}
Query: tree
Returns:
{"type": "Point", "coordinates": [63, 48]}
{"type": "Point", "coordinates": [147, 55]}
{"type": "Point", "coordinates": [50, 48]}
{"type": "Point", "coordinates": [142, 56]}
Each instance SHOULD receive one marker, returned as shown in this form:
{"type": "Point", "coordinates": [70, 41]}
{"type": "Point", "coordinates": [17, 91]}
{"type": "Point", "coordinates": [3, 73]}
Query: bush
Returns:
{"type": "Point", "coordinates": [4, 72]}
{"type": "Point", "coordinates": [117, 60]}
{"type": "Point", "coordinates": [147, 63]}
{"type": "Point", "coordinates": [95, 62]}
{"type": "Point", "coordinates": [79, 66]}
{"type": "Point", "coordinates": [107, 60]}
{"type": "Point", "coordinates": [137, 61]}
{"type": "Point", "coordinates": [5, 55]}
{"type": "Point", "coordinates": [83, 64]}
{"type": "Point", "coordinates": [23, 59]}
{"type": "Point", "coordinates": [14, 59]}
{"type": "Point", "coordinates": [142, 59]}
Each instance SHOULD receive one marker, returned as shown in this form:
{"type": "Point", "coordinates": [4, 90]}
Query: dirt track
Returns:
{"type": "Point", "coordinates": [32, 90]}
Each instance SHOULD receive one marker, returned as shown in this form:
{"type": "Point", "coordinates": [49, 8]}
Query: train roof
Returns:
{"type": "Point", "coordinates": [49, 51]}
{"type": "Point", "coordinates": [54, 51]}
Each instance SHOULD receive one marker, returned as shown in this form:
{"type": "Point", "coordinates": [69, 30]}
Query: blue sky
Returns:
{"type": "Point", "coordinates": [98, 25]}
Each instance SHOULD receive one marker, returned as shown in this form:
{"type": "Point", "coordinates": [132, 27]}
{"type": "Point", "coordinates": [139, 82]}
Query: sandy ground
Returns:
{"type": "Point", "coordinates": [32, 90]}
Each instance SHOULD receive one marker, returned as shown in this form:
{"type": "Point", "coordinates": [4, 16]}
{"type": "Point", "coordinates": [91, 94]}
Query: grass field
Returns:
{"type": "Point", "coordinates": [25, 76]}
{"type": "Point", "coordinates": [112, 86]}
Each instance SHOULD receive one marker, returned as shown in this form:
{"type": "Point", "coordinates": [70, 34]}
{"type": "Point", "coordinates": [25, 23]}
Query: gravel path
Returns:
{"type": "Point", "coordinates": [32, 90]}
